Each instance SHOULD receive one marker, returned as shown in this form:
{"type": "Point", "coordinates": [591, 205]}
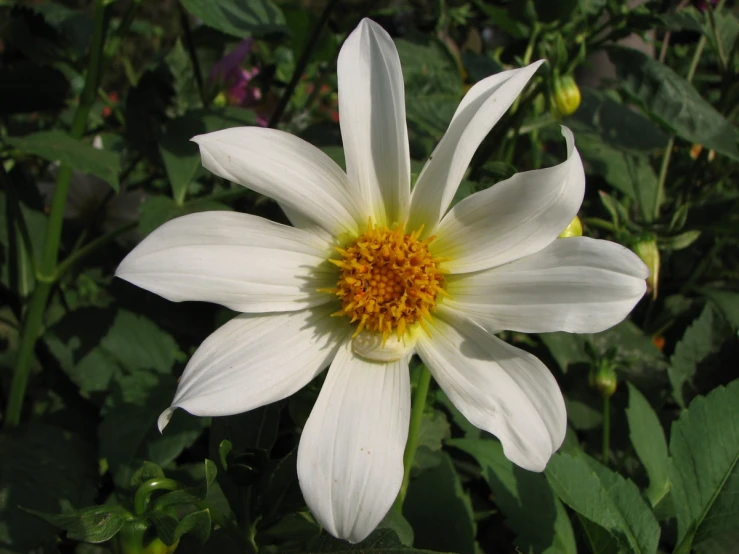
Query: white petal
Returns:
{"type": "Point", "coordinates": [578, 285]}
{"type": "Point", "coordinates": [479, 111]}
{"type": "Point", "coordinates": [372, 118]}
{"type": "Point", "coordinates": [497, 387]}
{"type": "Point", "coordinates": [241, 261]}
{"type": "Point", "coordinates": [513, 218]}
{"type": "Point", "coordinates": [350, 458]}
{"type": "Point", "coordinates": [254, 360]}
{"type": "Point", "coordinates": [287, 169]}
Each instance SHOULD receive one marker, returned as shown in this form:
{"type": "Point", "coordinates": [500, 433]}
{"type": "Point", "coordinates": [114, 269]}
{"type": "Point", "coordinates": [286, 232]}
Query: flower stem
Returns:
{"type": "Point", "coordinates": [606, 427]}
{"type": "Point", "coordinates": [141, 498]}
{"type": "Point", "coordinates": [417, 409]}
{"type": "Point", "coordinates": [301, 65]}
{"type": "Point", "coordinates": [91, 247]}
{"type": "Point", "coordinates": [47, 267]}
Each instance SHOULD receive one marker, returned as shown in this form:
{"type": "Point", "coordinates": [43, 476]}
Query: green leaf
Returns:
{"type": "Point", "coordinates": [532, 511]}
{"type": "Point", "coordinates": [673, 101]}
{"type": "Point", "coordinates": [648, 439]}
{"type": "Point", "coordinates": [727, 303]}
{"type": "Point", "coordinates": [238, 18]}
{"type": "Point", "coordinates": [169, 530]}
{"type": "Point", "coordinates": [157, 210]}
{"type": "Point", "coordinates": [282, 493]}
{"type": "Point", "coordinates": [93, 524]}
{"type": "Point", "coordinates": [147, 471]}
{"type": "Point", "coordinates": [44, 469]}
{"type": "Point", "coordinates": [679, 242]}
{"type": "Point", "coordinates": [439, 510]}
{"type": "Point", "coordinates": [190, 495]}
{"type": "Point", "coordinates": [699, 341]}
{"type": "Point", "coordinates": [181, 156]}
{"type": "Point", "coordinates": [566, 348]}
{"type": "Point", "coordinates": [605, 498]}
{"type": "Point", "coordinates": [704, 468]}
{"type": "Point", "coordinates": [93, 346]}
{"type": "Point", "coordinates": [186, 95]}
{"type": "Point", "coordinates": [57, 146]}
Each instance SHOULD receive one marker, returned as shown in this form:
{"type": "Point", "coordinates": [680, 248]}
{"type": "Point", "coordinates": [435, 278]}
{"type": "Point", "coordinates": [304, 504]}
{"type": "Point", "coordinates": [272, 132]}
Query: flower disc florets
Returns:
{"type": "Point", "coordinates": [388, 281]}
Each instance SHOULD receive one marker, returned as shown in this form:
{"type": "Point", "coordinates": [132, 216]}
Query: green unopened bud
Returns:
{"type": "Point", "coordinates": [220, 100]}
{"type": "Point", "coordinates": [574, 229]}
{"type": "Point", "coordinates": [567, 96]}
{"type": "Point", "coordinates": [647, 250]}
{"type": "Point", "coordinates": [603, 377]}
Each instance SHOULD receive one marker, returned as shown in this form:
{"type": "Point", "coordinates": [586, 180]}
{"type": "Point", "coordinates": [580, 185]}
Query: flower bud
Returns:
{"type": "Point", "coordinates": [603, 377]}
{"type": "Point", "coordinates": [566, 97]}
{"type": "Point", "coordinates": [647, 250]}
{"type": "Point", "coordinates": [574, 229]}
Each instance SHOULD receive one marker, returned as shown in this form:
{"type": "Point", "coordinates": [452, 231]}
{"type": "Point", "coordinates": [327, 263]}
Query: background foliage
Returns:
{"type": "Point", "coordinates": [650, 459]}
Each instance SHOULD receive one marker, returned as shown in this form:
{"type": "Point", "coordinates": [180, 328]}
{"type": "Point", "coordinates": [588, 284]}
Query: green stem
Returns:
{"type": "Point", "coordinates": [302, 64]}
{"type": "Point", "coordinates": [659, 192]}
{"type": "Point", "coordinates": [47, 267]}
{"type": "Point", "coordinates": [144, 492]}
{"type": "Point", "coordinates": [419, 405]}
{"type": "Point", "coordinates": [606, 427]}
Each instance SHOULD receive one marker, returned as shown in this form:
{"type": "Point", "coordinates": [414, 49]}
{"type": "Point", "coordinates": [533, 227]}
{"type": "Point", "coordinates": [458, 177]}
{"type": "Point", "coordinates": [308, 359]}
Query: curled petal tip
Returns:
{"type": "Point", "coordinates": [163, 420]}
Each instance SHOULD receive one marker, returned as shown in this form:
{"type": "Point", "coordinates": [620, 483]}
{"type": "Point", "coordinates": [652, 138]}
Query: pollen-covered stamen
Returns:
{"type": "Point", "coordinates": [388, 281]}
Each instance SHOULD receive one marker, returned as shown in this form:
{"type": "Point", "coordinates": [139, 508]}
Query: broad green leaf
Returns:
{"type": "Point", "coordinates": [45, 469]}
{"type": "Point", "coordinates": [94, 345]}
{"type": "Point", "coordinates": [282, 494]}
{"type": "Point", "coordinates": [605, 498]}
{"type": "Point", "coordinates": [582, 416]}
{"type": "Point", "coordinates": [727, 303]}
{"type": "Point", "coordinates": [673, 101]}
{"type": "Point", "coordinates": [148, 470]}
{"type": "Point", "coordinates": [704, 468]}
{"type": "Point", "coordinates": [157, 210]}
{"type": "Point", "coordinates": [566, 348]}
{"type": "Point", "coordinates": [439, 510]}
{"type": "Point", "coordinates": [170, 530]}
{"type": "Point", "coordinates": [532, 511]}
{"type": "Point", "coordinates": [701, 338]}
{"type": "Point", "coordinates": [181, 156]}
{"type": "Point", "coordinates": [238, 18]}
{"type": "Point", "coordinates": [57, 146]}
{"type": "Point", "coordinates": [679, 242]}
{"type": "Point", "coordinates": [648, 439]}
{"type": "Point", "coordinates": [93, 524]}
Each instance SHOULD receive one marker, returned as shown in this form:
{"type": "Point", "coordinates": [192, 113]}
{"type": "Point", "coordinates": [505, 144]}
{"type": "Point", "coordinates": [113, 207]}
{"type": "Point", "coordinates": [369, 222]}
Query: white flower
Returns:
{"type": "Point", "coordinates": [495, 264]}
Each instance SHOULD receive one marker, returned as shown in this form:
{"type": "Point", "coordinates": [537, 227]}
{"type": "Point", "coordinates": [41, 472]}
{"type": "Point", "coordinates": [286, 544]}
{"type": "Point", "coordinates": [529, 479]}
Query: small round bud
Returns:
{"type": "Point", "coordinates": [603, 377]}
{"type": "Point", "coordinates": [574, 229]}
{"type": "Point", "coordinates": [566, 97]}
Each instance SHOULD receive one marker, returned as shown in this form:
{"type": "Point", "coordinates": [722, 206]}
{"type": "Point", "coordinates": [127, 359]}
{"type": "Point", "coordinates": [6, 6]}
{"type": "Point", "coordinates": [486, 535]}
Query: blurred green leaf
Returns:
{"type": "Point", "coordinates": [678, 242]}
{"type": "Point", "coordinates": [93, 524]}
{"type": "Point", "coordinates": [238, 18]}
{"type": "Point", "coordinates": [380, 541]}
{"type": "Point", "coordinates": [186, 94]}
{"type": "Point", "coordinates": [673, 101]}
{"type": "Point", "coordinates": [648, 439]}
{"type": "Point", "coordinates": [148, 470]}
{"type": "Point", "coordinates": [605, 498]}
{"type": "Point", "coordinates": [532, 511]}
{"type": "Point", "coordinates": [700, 339]}
{"type": "Point", "coordinates": [704, 469]}
{"type": "Point", "coordinates": [566, 348]}
{"type": "Point", "coordinates": [44, 469]}
{"type": "Point", "coordinates": [58, 146]}
{"type": "Point", "coordinates": [190, 495]}
{"type": "Point", "coordinates": [439, 510]}
{"type": "Point", "coordinates": [726, 301]}
{"type": "Point", "coordinates": [170, 530]}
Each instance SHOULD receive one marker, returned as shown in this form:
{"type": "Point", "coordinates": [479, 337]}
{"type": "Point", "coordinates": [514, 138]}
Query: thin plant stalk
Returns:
{"type": "Point", "coordinates": [47, 267]}
{"type": "Point", "coordinates": [417, 409]}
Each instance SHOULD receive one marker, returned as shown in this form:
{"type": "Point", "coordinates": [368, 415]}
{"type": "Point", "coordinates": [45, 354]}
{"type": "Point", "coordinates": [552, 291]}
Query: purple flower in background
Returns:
{"type": "Point", "coordinates": [702, 5]}
{"type": "Point", "coordinates": [229, 75]}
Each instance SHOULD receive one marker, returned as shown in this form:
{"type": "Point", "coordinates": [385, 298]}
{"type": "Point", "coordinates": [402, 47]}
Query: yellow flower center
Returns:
{"type": "Point", "coordinates": [389, 281]}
